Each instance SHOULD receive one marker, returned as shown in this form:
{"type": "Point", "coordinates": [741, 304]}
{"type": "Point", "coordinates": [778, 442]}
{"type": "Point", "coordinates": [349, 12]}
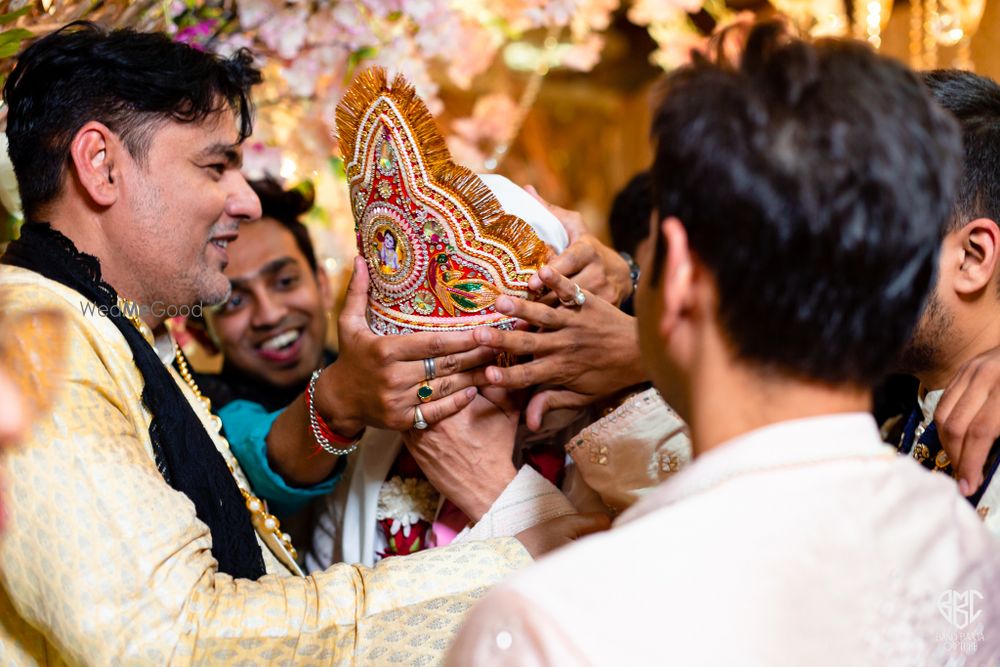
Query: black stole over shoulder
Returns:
{"type": "Point", "coordinates": [184, 451]}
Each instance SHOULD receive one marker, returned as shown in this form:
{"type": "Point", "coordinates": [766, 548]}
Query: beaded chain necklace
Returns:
{"type": "Point", "coordinates": [267, 524]}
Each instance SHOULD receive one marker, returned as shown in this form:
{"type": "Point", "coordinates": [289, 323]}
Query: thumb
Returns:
{"type": "Point", "coordinates": [357, 291]}
{"type": "Point", "coordinates": [551, 399]}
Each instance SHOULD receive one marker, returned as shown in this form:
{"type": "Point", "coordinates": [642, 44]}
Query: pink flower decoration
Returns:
{"type": "Point", "coordinates": [644, 12]}
{"type": "Point", "coordinates": [261, 161]}
{"type": "Point", "coordinates": [492, 120]}
{"type": "Point", "coordinates": [584, 55]}
{"type": "Point", "coordinates": [285, 33]}
{"type": "Point", "coordinates": [197, 35]}
{"type": "Point", "coordinates": [302, 76]}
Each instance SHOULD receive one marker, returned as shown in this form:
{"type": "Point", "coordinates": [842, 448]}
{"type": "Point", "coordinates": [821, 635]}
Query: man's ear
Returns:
{"type": "Point", "coordinates": [677, 284]}
{"type": "Point", "coordinates": [96, 153]}
{"type": "Point", "coordinates": [980, 245]}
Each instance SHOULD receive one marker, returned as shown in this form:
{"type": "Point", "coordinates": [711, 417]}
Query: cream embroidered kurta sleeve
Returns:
{"type": "Point", "coordinates": [625, 454]}
{"type": "Point", "coordinates": [101, 562]}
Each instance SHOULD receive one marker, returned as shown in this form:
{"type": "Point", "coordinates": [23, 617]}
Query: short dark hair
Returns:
{"type": "Point", "coordinates": [286, 206]}
{"type": "Point", "coordinates": [630, 211]}
{"type": "Point", "coordinates": [975, 101]}
{"type": "Point", "coordinates": [814, 182]}
{"type": "Point", "coordinates": [130, 81]}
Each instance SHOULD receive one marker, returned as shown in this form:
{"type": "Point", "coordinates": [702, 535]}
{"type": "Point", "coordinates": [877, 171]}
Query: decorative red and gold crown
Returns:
{"type": "Point", "coordinates": [439, 245]}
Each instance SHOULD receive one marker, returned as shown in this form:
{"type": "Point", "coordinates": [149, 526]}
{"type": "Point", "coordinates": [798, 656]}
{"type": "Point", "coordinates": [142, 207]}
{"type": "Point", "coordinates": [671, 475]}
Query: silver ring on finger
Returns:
{"type": "Point", "coordinates": [430, 369]}
{"type": "Point", "coordinates": [419, 422]}
{"type": "Point", "coordinates": [578, 298]}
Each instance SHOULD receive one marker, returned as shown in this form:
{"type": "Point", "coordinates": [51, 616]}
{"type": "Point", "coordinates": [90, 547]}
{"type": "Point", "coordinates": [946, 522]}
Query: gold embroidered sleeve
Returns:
{"type": "Point", "coordinates": [101, 562]}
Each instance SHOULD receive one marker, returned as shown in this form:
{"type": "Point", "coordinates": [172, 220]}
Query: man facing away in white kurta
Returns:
{"type": "Point", "coordinates": [800, 199]}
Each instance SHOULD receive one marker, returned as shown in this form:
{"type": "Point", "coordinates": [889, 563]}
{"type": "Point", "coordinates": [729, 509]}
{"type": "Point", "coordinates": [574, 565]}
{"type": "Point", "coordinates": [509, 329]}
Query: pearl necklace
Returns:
{"type": "Point", "coordinates": [266, 524]}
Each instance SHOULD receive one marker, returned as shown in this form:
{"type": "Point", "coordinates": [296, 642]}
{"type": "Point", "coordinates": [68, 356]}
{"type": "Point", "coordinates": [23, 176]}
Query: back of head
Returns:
{"type": "Point", "coordinates": [127, 80]}
{"type": "Point", "coordinates": [814, 182]}
{"type": "Point", "coordinates": [630, 211]}
{"type": "Point", "coordinates": [975, 101]}
{"type": "Point", "coordinates": [286, 207]}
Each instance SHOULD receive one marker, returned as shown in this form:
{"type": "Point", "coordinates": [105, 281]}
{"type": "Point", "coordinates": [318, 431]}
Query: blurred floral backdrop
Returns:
{"type": "Point", "coordinates": [554, 93]}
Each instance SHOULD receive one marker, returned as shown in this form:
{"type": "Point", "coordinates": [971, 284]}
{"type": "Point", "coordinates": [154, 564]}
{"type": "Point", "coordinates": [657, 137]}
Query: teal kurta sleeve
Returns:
{"type": "Point", "coordinates": [246, 426]}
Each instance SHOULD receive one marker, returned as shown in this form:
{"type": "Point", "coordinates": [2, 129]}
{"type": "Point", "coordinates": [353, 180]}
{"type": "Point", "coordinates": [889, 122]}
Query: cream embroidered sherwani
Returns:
{"type": "Point", "coordinates": [101, 562]}
{"type": "Point", "coordinates": [613, 462]}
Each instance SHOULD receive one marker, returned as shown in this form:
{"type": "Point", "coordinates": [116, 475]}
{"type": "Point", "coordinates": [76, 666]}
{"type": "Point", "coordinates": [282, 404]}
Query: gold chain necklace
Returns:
{"type": "Point", "coordinates": [266, 524]}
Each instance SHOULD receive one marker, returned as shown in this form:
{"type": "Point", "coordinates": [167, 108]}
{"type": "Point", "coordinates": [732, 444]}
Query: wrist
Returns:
{"type": "Point", "coordinates": [634, 370]}
{"type": "Point", "coordinates": [633, 276]}
{"type": "Point", "coordinates": [482, 496]}
{"type": "Point", "coordinates": [626, 368]}
{"type": "Point", "coordinates": [335, 405]}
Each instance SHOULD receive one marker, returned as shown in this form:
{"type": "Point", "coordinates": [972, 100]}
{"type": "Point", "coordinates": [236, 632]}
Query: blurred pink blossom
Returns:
{"type": "Point", "coordinates": [353, 29]}
{"type": "Point", "coordinates": [492, 120]}
{"type": "Point", "coordinates": [302, 76]}
{"type": "Point", "coordinates": [421, 11]}
{"type": "Point", "coordinates": [254, 12]}
{"type": "Point", "coordinates": [592, 15]}
{"type": "Point", "coordinates": [401, 56]}
{"type": "Point", "coordinates": [260, 160]}
{"type": "Point", "coordinates": [175, 9]}
{"type": "Point", "coordinates": [645, 12]}
{"type": "Point", "coordinates": [676, 50]}
{"type": "Point", "coordinates": [582, 56]}
{"type": "Point", "coordinates": [383, 8]}
{"type": "Point", "coordinates": [466, 153]}
{"type": "Point", "coordinates": [285, 32]}
{"type": "Point", "coordinates": [227, 45]}
{"type": "Point", "coordinates": [524, 15]}
{"type": "Point", "coordinates": [478, 48]}
{"type": "Point", "coordinates": [197, 35]}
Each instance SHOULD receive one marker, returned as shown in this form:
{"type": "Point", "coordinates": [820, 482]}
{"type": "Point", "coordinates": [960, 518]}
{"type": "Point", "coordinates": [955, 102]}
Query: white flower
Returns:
{"type": "Point", "coordinates": [405, 502]}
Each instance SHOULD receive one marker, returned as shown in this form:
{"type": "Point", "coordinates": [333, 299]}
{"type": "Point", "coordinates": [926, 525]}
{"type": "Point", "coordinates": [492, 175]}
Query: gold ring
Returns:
{"type": "Point", "coordinates": [425, 392]}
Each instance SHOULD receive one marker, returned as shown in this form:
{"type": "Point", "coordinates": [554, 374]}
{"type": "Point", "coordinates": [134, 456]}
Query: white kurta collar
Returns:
{"type": "Point", "coordinates": [782, 446]}
{"type": "Point", "coordinates": [928, 402]}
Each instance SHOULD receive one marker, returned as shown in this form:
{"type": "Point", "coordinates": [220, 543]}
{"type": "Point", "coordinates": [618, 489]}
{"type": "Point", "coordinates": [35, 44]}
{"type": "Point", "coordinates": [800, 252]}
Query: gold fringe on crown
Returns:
{"type": "Point", "coordinates": [495, 224]}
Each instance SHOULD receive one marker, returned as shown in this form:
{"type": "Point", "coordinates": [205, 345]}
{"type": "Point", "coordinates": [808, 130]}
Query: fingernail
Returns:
{"type": "Point", "coordinates": [505, 305]}
{"type": "Point", "coordinates": [471, 392]}
{"type": "Point", "coordinates": [493, 374]}
{"type": "Point", "coordinates": [531, 189]}
{"type": "Point", "coordinates": [482, 336]}
{"type": "Point", "coordinates": [545, 273]}
{"type": "Point", "coordinates": [963, 487]}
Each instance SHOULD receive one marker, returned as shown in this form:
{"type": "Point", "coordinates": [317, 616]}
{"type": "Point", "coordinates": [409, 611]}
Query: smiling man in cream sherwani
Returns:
{"type": "Point", "coordinates": [132, 536]}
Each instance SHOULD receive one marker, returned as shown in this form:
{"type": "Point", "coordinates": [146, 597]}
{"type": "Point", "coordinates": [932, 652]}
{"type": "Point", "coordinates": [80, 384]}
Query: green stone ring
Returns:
{"type": "Point", "coordinates": [424, 392]}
